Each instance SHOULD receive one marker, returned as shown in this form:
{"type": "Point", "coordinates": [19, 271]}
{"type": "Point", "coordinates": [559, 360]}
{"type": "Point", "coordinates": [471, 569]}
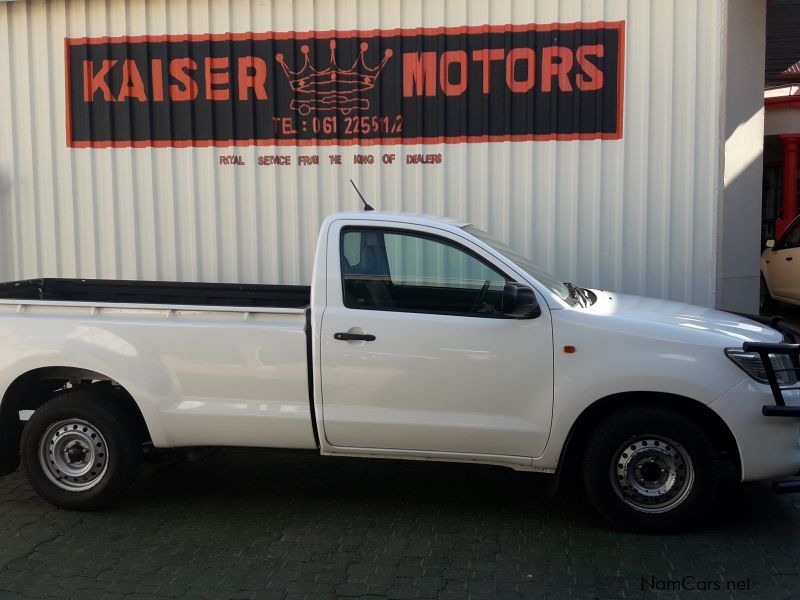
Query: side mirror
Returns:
{"type": "Point", "coordinates": [770, 243]}
{"type": "Point", "coordinates": [519, 301]}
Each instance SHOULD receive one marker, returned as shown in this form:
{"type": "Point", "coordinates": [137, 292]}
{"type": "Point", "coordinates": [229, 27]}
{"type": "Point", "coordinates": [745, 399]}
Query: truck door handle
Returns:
{"type": "Point", "coordinates": [364, 337]}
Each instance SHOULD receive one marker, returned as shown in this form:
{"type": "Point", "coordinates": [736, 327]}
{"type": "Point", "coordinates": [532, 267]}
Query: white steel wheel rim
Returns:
{"type": "Point", "coordinates": [652, 474]}
{"type": "Point", "coordinates": [73, 455]}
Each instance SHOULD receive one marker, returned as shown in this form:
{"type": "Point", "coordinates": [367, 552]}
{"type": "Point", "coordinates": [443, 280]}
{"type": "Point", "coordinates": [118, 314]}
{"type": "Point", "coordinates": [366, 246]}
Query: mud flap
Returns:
{"type": "Point", "coordinates": [9, 447]}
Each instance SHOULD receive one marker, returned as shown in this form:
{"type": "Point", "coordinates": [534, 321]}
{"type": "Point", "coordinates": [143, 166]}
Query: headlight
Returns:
{"type": "Point", "coordinates": [750, 363]}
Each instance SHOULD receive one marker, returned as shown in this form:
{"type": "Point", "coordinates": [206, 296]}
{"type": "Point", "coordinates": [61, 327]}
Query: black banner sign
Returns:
{"type": "Point", "coordinates": [463, 84]}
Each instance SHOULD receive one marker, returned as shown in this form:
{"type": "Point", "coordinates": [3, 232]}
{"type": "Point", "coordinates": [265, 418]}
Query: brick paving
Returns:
{"type": "Point", "coordinates": [282, 525]}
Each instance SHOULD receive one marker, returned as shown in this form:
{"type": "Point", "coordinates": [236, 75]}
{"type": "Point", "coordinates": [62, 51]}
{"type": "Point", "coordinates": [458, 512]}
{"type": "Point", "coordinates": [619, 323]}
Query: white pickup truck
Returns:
{"type": "Point", "coordinates": [419, 338]}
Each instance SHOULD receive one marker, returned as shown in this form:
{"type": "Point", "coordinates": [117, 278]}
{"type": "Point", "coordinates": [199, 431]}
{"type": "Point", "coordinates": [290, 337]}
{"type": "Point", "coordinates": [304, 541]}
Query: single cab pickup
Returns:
{"type": "Point", "coordinates": [420, 338]}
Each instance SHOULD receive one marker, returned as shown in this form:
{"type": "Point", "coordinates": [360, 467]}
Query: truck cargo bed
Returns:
{"type": "Point", "coordinates": [157, 292]}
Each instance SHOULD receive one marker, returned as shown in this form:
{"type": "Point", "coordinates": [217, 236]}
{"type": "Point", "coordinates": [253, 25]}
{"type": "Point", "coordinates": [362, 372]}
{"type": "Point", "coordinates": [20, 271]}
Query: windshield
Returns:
{"type": "Point", "coordinates": [538, 274]}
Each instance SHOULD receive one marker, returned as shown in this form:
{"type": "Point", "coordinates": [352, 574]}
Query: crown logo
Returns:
{"type": "Point", "coordinates": [335, 87]}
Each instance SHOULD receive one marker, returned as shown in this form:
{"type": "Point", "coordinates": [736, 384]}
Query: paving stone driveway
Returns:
{"type": "Point", "coordinates": [263, 524]}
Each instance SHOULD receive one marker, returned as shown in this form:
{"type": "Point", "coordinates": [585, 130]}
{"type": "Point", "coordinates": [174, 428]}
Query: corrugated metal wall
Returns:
{"type": "Point", "coordinates": [636, 214]}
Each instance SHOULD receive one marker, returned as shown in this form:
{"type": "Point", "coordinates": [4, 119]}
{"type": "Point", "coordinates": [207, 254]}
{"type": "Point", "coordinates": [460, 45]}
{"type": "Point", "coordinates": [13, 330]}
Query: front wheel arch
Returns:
{"type": "Point", "coordinates": [718, 431]}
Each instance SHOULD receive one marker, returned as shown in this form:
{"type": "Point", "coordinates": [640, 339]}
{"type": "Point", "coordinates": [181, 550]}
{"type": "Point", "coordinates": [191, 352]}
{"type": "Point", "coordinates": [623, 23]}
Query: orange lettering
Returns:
{"type": "Point", "coordinates": [132, 85]}
{"type": "Point", "coordinates": [560, 68]}
{"type": "Point", "coordinates": [453, 57]}
{"type": "Point", "coordinates": [594, 76]}
{"type": "Point", "coordinates": [157, 79]}
{"type": "Point", "coordinates": [419, 74]}
{"type": "Point", "coordinates": [186, 89]}
{"type": "Point", "coordinates": [255, 81]}
{"type": "Point", "coordinates": [486, 57]}
{"type": "Point", "coordinates": [515, 55]}
{"type": "Point", "coordinates": [97, 81]}
{"type": "Point", "coordinates": [216, 78]}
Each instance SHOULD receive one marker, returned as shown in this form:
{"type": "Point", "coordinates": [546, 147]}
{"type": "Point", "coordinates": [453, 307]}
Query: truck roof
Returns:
{"type": "Point", "coordinates": [415, 218]}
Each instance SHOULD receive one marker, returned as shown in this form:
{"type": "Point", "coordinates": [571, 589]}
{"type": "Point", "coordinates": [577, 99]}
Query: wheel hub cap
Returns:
{"type": "Point", "coordinates": [73, 455]}
{"type": "Point", "coordinates": [652, 473]}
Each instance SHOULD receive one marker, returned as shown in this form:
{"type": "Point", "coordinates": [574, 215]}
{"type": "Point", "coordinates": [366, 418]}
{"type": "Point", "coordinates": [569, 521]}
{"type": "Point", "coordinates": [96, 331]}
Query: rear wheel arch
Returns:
{"type": "Point", "coordinates": [33, 388]}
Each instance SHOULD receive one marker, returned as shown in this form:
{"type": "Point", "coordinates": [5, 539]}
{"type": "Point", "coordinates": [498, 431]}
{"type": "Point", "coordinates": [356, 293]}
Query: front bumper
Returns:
{"type": "Point", "coordinates": [780, 408]}
{"type": "Point", "coordinates": [769, 446]}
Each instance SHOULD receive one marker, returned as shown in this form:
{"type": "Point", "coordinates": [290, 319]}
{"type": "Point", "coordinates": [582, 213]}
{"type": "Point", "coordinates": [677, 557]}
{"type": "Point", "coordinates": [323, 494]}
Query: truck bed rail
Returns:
{"type": "Point", "coordinates": [157, 292]}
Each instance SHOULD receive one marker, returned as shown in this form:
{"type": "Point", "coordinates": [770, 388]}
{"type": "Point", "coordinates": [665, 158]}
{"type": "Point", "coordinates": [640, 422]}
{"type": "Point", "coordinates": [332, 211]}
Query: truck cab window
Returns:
{"type": "Point", "coordinates": [395, 270]}
{"type": "Point", "coordinates": [351, 248]}
{"type": "Point", "coordinates": [790, 239]}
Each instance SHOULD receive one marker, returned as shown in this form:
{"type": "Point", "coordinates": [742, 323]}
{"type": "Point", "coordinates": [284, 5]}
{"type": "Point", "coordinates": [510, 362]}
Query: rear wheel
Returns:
{"type": "Point", "coordinates": [79, 453]}
{"type": "Point", "coordinates": [650, 470]}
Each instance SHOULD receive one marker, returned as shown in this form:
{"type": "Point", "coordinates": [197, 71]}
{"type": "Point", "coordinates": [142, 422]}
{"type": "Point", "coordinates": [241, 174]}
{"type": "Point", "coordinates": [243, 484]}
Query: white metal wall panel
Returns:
{"type": "Point", "coordinates": [636, 214]}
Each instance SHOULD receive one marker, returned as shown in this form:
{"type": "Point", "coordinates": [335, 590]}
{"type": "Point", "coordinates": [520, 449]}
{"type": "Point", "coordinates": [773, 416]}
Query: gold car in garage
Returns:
{"type": "Point", "coordinates": [780, 269]}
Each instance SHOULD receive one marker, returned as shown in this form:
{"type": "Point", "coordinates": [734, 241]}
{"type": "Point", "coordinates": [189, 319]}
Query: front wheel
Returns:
{"type": "Point", "coordinates": [78, 453]}
{"type": "Point", "coordinates": [650, 470]}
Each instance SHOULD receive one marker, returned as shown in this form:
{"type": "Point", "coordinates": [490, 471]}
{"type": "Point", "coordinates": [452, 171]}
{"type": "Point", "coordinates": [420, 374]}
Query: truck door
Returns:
{"type": "Point", "coordinates": [416, 355]}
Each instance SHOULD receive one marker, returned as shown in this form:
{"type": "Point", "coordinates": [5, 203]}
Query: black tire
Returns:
{"type": "Point", "coordinates": [650, 470]}
{"type": "Point", "coordinates": [97, 437]}
{"type": "Point", "coordinates": [766, 303]}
